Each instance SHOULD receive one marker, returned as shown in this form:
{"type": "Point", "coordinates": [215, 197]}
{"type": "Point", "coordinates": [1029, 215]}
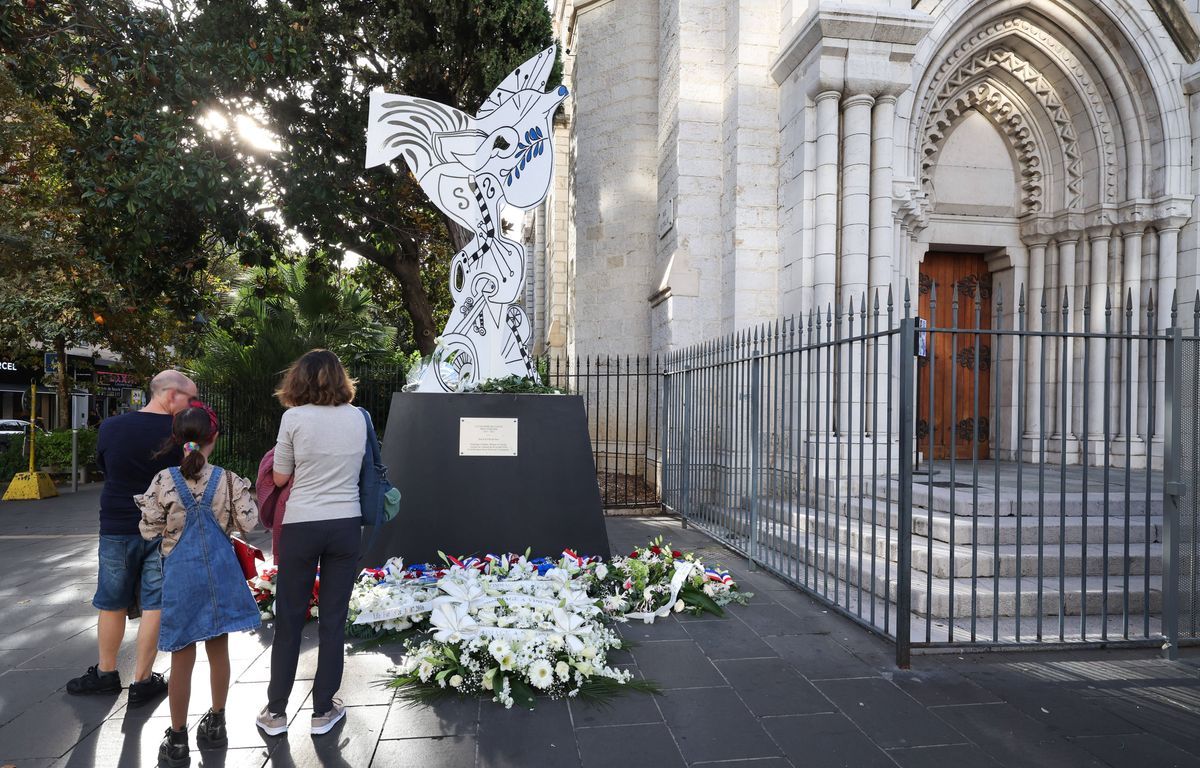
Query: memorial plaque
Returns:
{"type": "Point", "coordinates": [487, 437]}
{"type": "Point", "coordinates": [489, 474]}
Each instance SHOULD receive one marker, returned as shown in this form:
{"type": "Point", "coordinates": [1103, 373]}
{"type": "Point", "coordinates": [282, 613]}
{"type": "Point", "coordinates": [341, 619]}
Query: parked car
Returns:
{"type": "Point", "coordinates": [16, 429]}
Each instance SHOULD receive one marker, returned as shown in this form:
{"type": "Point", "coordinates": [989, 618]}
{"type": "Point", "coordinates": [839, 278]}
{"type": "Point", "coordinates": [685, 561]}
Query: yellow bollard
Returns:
{"type": "Point", "coordinates": [31, 484]}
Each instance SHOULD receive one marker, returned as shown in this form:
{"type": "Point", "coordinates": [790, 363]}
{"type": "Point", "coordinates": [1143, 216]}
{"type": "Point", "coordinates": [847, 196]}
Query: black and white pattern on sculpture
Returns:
{"type": "Point", "coordinates": [471, 168]}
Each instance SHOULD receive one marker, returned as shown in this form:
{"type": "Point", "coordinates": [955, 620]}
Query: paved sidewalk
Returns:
{"type": "Point", "coordinates": [780, 682]}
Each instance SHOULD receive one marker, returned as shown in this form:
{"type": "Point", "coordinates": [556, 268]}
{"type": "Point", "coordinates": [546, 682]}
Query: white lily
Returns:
{"type": "Point", "coordinates": [569, 625]}
{"type": "Point", "coordinates": [468, 591]}
{"type": "Point", "coordinates": [452, 622]}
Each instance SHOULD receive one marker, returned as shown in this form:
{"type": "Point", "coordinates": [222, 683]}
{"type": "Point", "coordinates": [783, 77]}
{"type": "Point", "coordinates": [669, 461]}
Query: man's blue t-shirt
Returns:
{"type": "Point", "coordinates": [127, 450]}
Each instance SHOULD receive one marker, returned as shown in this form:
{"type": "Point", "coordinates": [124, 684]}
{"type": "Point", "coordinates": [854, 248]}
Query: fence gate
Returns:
{"type": "Point", "coordinates": [985, 474]}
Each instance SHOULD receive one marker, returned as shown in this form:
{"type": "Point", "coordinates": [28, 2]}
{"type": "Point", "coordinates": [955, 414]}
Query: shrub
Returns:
{"type": "Point", "coordinates": [54, 450]}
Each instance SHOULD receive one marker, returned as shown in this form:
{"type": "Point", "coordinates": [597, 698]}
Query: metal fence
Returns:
{"type": "Point", "coordinates": [999, 482]}
{"type": "Point", "coordinates": [621, 396]}
{"type": "Point", "coordinates": [620, 393]}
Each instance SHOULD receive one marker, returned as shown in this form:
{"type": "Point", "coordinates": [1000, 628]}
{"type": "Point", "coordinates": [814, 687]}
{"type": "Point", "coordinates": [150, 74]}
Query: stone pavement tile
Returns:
{"type": "Point", "coordinates": [766, 762]}
{"type": "Point", "coordinates": [1066, 708]}
{"type": "Point", "coordinates": [935, 685]}
{"type": "Point", "coordinates": [1168, 712]}
{"type": "Point", "coordinates": [120, 743]}
{"type": "Point", "coordinates": [350, 744]}
{"type": "Point", "coordinates": [52, 726]}
{"type": "Point", "coordinates": [440, 752]}
{"type": "Point", "coordinates": [20, 689]}
{"type": "Point", "coordinates": [819, 657]}
{"type": "Point", "coordinates": [452, 716]}
{"type": "Point", "coordinates": [226, 758]}
{"type": "Point", "coordinates": [771, 619]}
{"type": "Point", "coordinates": [772, 687]}
{"type": "Point", "coordinates": [244, 703]}
{"type": "Point", "coordinates": [1136, 751]}
{"type": "Point", "coordinates": [73, 654]}
{"type": "Point", "coordinates": [813, 618]}
{"type": "Point", "coordinates": [661, 630]}
{"type": "Point", "coordinates": [940, 757]}
{"type": "Point", "coordinates": [260, 670]}
{"type": "Point", "coordinates": [1013, 739]}
{"type": "Point", "coordinates": [713, 724]}
{"type": "Point", "coordinates": [676, 664]}
{"type": "Point", "coordinates": [825, 741]}
{"type": "Point", "coordinates": [632, 708]}
{"type": "Point", "coordinates": [887, 715]}
{"type": "Point", "coordinates": [644, 744]}
{"type": "Point", "coordinates": [728, 639]}
{"type": "Point", "coordinates": [519, 737]}
{"type": "Point", "coordinates": [43, 762]}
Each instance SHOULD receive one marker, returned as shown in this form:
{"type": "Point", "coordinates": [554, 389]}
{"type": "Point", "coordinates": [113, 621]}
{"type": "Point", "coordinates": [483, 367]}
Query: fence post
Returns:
{"type": "Point", "coordinates": [686, 460]}
{"type": "Point", "coordinates": [663, 439]}
{"type": "Point", "coordinates": [755, 445]}
{"type": "Point", "coordinates": [1173, 488]}
{"type": "Point", "coordinates": [908, 330]}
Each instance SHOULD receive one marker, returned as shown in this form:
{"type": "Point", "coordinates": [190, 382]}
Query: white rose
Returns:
{"type": "Point", "coordinates": [487, 680]}
{"type": "Point", "coordinates": [563, 670]}
{"type": "Point", "coordinates": [588, 652]}
{"type": "Point", "coordinates": [679, 606]}
{"type": "Point", "coordinates": [601, 571]}
{"type": "Point", "coordinates": [456, 681]}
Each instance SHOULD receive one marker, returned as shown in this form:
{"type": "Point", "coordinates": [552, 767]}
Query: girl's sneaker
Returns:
{"type": "Point", "coordinates": [211, 731]}
{"type": "Point", "coordinates": [173, 752]}
{"type": "Point", "coordinates": [271, 723]}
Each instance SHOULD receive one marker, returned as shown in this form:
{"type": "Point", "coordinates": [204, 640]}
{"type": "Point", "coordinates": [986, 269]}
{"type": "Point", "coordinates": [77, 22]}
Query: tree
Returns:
{"type": "Point", "coordinates": [154, 201]}
{"type": "Point", "coordinates": [313, 65]}
{"type": "Point", "coordinates": [273, 317]}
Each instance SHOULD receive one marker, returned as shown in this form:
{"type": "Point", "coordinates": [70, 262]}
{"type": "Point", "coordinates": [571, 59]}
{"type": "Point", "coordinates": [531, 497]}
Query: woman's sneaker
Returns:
{"type": "Point", "coordinates": [146, 691]}
{"type": "Point", "coordinates": [173, 752]}
{"type": "Point", "coordinates": [211, 731]}
{"type": "Point", "coordinates": [324, 723]}
{"type": "Point", "coordinates": [270, 723]}
{"type": "Point", "coordinates": [95, 682]}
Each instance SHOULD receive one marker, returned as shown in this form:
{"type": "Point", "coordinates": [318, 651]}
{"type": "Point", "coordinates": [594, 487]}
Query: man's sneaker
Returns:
{"type": "Point", "coordinates": [211, 731]}
{"type": "Point", "coordinates": [146, 691]}
{"type": "Point", "coordinates": [173, 752]}
{"type": "Point", "coordinates": [324, 723]}
{"type": "Point", "coordinates": [270, 723]}
{"type": "Point", "coordinates": [94, 682]}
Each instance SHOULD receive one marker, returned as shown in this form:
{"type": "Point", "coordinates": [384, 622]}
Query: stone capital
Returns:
{"type": "Point", "coordinates": [1037, 229]}
{"type": "Point", "coordinates": [1133, 216]}
{"type": "Point", "coordinates": [1171, 213]}
{"type": "Point", "coordinates": [892, 36]}
{"type": "Point", "coordinates": [1099, 222]}
{"type": "Point", "coordinates": [1069, 226]}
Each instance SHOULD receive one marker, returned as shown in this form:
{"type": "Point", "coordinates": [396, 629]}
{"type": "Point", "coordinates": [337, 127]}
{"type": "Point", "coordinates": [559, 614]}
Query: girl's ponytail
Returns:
{"type": "Point", "coordinates": [194, 428]}
{"type": "Point", "coordinates": [193, 460]}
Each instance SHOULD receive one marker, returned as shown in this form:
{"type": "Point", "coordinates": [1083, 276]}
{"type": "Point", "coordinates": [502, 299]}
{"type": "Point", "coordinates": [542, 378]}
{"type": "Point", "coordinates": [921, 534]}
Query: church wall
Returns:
{"type": "Point", "coordinates": [613, 174]}
{"type": "Point", "coordinates": [749, 195]}
{"type": "Point", "coordinates": [686, 292]}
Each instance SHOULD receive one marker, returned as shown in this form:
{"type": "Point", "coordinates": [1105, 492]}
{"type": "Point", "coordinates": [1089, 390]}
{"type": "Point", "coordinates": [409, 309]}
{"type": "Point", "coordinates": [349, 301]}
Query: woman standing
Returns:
{"type": "Point", "coordinates": [319, 451]}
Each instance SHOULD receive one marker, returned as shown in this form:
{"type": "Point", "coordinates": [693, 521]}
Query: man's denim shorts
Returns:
{"type": "Point", "coordinates": [128, 563]}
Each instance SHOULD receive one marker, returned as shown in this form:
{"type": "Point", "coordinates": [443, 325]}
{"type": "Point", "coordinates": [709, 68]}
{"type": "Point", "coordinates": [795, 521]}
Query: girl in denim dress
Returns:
{"type": "Point", "coordinates": [195, 507]}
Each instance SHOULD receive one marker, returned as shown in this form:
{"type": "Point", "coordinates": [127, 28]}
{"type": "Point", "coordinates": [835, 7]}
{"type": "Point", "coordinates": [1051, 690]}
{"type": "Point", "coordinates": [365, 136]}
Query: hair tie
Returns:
{"type": "Point", "coordinates": [190, 446]}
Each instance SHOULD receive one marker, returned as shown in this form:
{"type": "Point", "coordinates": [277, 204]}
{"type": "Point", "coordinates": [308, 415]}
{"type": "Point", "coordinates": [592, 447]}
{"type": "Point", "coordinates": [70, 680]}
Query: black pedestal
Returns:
{"type": "Point", "coordinates": [545, 498]}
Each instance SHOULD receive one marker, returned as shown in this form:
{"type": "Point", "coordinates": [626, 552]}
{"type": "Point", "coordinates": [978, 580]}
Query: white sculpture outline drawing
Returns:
{"type": "Point", "coordinates": [471, 168]}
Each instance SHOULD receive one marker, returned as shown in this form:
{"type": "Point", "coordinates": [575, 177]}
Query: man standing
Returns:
{"type": "Point", "coordinates": [130, 452]}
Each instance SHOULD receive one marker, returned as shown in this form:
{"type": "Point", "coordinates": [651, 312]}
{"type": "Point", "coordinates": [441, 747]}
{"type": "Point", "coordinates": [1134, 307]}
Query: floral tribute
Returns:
{"type": "Point", "coordinates": [262, 587]}
{"type": "Point", "coordinates": [512, 627]}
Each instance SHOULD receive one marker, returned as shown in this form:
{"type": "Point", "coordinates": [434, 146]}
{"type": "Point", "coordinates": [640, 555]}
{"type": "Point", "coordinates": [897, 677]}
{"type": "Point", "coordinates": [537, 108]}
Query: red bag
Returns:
{"type": "Point", "coordinates": [246, 555]}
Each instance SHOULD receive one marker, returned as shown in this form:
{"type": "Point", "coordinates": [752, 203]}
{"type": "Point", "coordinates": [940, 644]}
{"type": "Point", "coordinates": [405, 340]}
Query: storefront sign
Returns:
{"type": "Point", "coordinates": [7, 366]}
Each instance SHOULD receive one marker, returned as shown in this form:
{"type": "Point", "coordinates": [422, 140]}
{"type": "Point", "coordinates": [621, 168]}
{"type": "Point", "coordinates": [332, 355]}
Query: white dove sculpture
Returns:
{"type": "Point", "coordinates": [471, 168]}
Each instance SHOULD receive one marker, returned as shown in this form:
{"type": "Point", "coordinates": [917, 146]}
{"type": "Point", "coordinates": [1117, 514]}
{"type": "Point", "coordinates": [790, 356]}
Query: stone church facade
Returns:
{"type": "Point", "coordinates": [728, 162]}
